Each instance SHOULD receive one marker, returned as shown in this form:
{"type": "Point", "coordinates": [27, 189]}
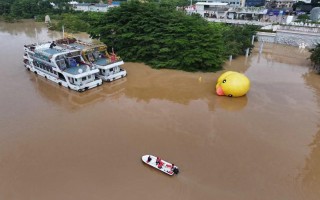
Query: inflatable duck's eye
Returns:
{"type": "Point", "coordinates": [230, 95]}
{"type": "Point", "coordinates": [224, 81]}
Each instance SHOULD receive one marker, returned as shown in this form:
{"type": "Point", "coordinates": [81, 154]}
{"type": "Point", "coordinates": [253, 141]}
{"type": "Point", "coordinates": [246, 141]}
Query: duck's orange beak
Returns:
{"type": "Point", "coordinates": [219, 91]}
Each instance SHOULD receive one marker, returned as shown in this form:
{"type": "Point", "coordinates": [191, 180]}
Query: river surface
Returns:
{"type": "Point", "coordinates": [57, 144]}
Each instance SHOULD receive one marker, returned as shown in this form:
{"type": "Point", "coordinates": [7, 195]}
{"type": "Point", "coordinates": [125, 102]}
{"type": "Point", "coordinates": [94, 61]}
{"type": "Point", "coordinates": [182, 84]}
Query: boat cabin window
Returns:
{"type": "Point", "coordinates": [61, 64]}
{"type": "Point", "coordinates": [71, 80]}
{"type": "Point", "coordinates": [78, 59]}
{"type": "Point", "coordinates": [61, 77]}
{"type": "Point", "coordinates": [96, 54]}
{"type": "Point", "coordinates": [90, 57]}
{"type": "Point", "coordinates": [72, 62]}
{"type": "Point", "coordinates": [84, 78]}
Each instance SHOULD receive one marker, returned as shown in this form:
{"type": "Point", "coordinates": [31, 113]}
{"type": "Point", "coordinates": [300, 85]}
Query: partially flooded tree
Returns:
{"type": "Point", "coordinates": [315, 57]}
{"type": "Point", "coordinates": [162, 37]}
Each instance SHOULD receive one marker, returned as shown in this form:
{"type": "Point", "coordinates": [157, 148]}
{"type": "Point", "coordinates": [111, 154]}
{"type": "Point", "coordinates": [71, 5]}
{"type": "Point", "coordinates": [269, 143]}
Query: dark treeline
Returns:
{"type": "Point", "coordinates": [13, 10]}
{"type": "Point", "coordinates": [315, 57]}
{"type": "Point", "coordinates": [24, 9]}
{"type": "Point", "coordinates": [17, 9]}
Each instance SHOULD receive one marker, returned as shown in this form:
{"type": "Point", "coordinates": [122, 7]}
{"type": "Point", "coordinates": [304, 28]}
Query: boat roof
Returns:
{"type": "Point", "coordinates": [52, 51]}
{"type": "Point", "coordinates": [76, 70]}
{"type": "Point", "coordinates": [91, 4]}
{"type": "Point", "coordinates": [83, 46]}
{"type": "Point", "coordinates": [45, 50]}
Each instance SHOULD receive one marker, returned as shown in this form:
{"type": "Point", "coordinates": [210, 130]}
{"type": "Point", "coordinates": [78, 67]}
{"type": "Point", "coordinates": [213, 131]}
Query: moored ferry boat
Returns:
{"type": "Point", "coordinates": [97, 54]}
{"type": "Point", "coordinates": [60, 65]}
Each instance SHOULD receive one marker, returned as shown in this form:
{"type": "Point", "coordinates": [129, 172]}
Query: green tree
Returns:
{"type": "Point", "coordinates": [5, 6]}
{"type": "Point", "coordinates": [298, 5]}
{"type": "Point", "coordinates": [72, 23]}
{"type": "Point", "coordinates": [25, 8]}
{"type": "Point", "coordinates": [162, 37]}
{"type": "Point", "coordinates": [315, 57]}
{"type": "Point", "coordinates": [315, 3]}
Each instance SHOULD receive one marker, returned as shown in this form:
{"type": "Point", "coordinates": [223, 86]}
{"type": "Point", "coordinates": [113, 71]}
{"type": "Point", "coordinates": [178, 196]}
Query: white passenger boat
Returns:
{"type": "Point", "coordinates": [97, 54]}
{"type": "Point", "coordinates": [165, 167]}
{"type": "Point", "coordinates": [60, 65]}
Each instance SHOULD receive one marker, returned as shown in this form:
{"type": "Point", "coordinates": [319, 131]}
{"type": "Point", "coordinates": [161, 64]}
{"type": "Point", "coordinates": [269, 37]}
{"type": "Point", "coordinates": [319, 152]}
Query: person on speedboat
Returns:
{"type": "Point", "coordinates": [174, 169]}
{"type": "Point", "coordinates": [160, 164]}
{"type": "Point", "coordinates": [158, 160]}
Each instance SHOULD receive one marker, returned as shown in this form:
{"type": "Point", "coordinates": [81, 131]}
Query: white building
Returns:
{"type": "Point", "coordinates": [217, 10]}
{"type": "Point", "coordinates": [306, 1]}
{"type": "Point", "coordinates": [91, 7]}
{"type": "Point", "coordinates": [231, 3]}
{"type": "Point", "coordinates": [73, 4]}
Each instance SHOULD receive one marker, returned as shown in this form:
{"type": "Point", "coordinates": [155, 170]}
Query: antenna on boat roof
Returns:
{"type": "Point", "coordinates": [35, 30]}
{"type": "Point", "coordinates": [62, 31]}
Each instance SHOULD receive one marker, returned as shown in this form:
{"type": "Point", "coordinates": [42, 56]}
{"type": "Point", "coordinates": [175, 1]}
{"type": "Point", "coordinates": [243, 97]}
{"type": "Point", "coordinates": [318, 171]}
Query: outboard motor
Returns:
{"type": "Point", "coordinates": [176, 171]}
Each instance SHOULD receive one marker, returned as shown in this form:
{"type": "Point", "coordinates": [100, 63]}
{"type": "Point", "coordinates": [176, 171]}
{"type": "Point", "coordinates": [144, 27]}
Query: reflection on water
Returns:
{"type": "Point", "coordinates": [148, 85]}
{"type": "Point", "coordinates": [60, 144]}
{"type": "Point", "coordinates": [311, 172]}
{"type": "Point", "coordinates": [274, 53]}
{"type": "Point", "coordinates": [232, 104]}
{"type": "Point", "coordinates": [59, 95]}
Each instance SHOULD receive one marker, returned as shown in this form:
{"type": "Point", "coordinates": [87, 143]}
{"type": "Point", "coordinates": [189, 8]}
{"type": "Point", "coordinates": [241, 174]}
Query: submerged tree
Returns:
{"type": "Point", "coordinates": [162, 37]}
{"type": "Point", "coordinates": [165, 38]}
{"type": "Point", "coordinates": [315, 57]}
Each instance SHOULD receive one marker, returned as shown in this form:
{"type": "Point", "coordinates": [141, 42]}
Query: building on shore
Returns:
{"type": "Point", "coordinates": [94, 7]}
{"type": "Point", "coordinates": [91, 7]}
{"type": "Point", "coordinates": [231, 3]}
{"type": "Point", "coordinates": [225, 11]}
{"type": "Point", "coordinates": [256, 3]}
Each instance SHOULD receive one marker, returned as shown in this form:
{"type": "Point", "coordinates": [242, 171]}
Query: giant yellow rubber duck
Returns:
{"type": "Point", "coordinates": [232, 84]}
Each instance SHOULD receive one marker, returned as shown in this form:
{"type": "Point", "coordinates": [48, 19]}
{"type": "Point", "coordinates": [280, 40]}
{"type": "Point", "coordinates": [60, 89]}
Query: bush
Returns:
{"type": "Point", "coordinates": [315, 55]}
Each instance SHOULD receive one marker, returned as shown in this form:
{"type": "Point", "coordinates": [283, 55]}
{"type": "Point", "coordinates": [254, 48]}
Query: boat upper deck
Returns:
{"type": "Point", "coordinates": [47, 50]}
{"type": "Point", "coordinates": [95, 53]}
{"type": "Point", "coordinates": [52, 51]}
{"type": "Point", "coordinates": [76, 70]}
{"type": "Point", "coordinates": [78, 46]}
{"type": "Point", "coordinates": [73, 43]}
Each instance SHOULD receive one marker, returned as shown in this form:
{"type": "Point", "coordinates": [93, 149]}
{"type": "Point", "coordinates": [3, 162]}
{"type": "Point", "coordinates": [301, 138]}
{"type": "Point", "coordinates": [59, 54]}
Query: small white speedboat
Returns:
{"type": "Point", "coordinates": [163, 166]}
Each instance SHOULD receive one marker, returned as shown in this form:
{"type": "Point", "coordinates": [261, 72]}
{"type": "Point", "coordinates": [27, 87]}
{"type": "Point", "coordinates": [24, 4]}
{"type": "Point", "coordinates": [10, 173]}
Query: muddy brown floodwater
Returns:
{"type": "Point", "coordinates": [57, 144]}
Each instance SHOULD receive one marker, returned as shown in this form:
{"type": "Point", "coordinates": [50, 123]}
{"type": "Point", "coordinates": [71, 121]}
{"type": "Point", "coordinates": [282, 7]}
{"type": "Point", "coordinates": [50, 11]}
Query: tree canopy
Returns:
{"type": "Point", "coordinates": [165, 38]}
{"type": "Point", "coordinates": [315, 55]}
